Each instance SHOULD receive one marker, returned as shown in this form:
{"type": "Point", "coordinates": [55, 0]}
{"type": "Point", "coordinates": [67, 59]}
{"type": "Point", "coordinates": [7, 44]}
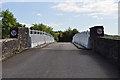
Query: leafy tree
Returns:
{"type": "Point", "coordinates": [0, 29]}
{"type": "Point", "coordinates": [8, 21]}
{"type": "Point", "coordinates": [67, 35]}
{"type": "Point", "coordinates": [45, 28]}
{"type": "Point", "coordinates": [74, 31]}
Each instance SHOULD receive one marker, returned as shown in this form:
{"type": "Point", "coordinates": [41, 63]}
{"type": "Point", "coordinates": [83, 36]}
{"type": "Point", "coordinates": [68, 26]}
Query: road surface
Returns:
{"type": "Point", "coordinates": [58, 60]}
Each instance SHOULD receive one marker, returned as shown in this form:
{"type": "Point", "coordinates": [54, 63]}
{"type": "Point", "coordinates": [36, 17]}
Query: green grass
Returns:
{"type": "Point", "coordinates": [113, 36]}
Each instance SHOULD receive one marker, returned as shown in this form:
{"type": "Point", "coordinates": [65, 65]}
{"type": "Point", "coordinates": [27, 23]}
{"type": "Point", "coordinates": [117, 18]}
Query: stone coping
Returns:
{"type": "Point", "coordinates": [6, 40]}
{"type": "Point", "coordinates": [110, 38]}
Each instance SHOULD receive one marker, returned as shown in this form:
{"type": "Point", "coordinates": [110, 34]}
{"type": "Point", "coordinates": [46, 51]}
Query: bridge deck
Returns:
{"type": "Point", "coordinates": [58, 60]}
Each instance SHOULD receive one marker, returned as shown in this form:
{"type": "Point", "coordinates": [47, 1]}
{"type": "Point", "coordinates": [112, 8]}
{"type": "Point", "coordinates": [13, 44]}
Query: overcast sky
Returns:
{"type": "Point", "coordinates": [81, 14]}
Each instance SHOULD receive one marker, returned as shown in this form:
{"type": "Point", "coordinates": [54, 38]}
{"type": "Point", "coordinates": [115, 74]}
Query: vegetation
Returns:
{"type": "Point", "coordinates": [61, 36]}
{"type": "Point", "coordinates": [113, 36]}
{"type": "Point", "coordinates": [45, 28]}
{"type": "Point", "coordinates": [0, 25]}
{"type": "Point", "coordinates": [67, 35]}
{"type": "Point", "coordinates": [8, 20]}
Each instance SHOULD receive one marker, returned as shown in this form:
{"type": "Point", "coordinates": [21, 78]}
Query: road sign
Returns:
{"type": "Point", "coordinates": [99, 31]}
{"type": "Point", "coordinates": [13, 32]}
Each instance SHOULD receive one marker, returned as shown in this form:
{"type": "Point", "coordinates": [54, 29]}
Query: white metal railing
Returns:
{"type": "Point", "coordinates": [39, 37]}
{"type": "Point", "coordinates": [82, 39]}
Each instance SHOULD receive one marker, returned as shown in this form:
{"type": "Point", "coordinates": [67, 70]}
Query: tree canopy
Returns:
{"type": "Point", "coordinates": [45, 28]}
{"type": "Point", "coordinates": [66, 36]}
{"type": "Point", "coordinates": [8, 21]}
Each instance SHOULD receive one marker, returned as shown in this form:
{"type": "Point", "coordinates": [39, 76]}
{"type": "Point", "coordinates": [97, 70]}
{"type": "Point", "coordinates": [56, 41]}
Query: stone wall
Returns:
{"type": "Point", "coordinates": [13, 45]}
{"type": "Point", "coordinates": [9, 47]}
{"type": "Point", "coordinates": [106, 46]}
{"type": "Point", "coordinates": [23, 40]}
{"type": "Point", "coordinates": [110, 48]}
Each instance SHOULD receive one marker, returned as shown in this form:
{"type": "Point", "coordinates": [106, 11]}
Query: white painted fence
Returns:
{"type": "Point", "coordinates": [39, 37]}
{"type": "Point", "coordinates": [82, 39]}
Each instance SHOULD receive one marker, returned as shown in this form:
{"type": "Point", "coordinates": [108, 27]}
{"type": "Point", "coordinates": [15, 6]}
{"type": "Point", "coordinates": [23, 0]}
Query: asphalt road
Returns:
{"type": "Point", "coordinates": [58, 60]}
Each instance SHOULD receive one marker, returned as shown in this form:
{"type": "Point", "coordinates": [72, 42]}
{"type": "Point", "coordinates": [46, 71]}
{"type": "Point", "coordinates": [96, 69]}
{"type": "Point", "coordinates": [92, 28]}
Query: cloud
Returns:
{"type": "Point", "coordinates": [59, 14]}
{"type": "Point", "coordinates": [96, 15]}
{"type": "Point", "coordinates": [98, 7]}
{"type": "Point", "coordinates": [85, 1]}
{"type": "Point", "coordinates": [51, 24]}
{"type": "Point", "coordinates": [34, 0]}
{"type": "Point", "coordinates": [1, 2]}
{"type": "Point", "coordinates": [54, 25]}
{"type": "Point", "coordinates": [96, 25]}
{"type": "Point", "coordinates": [27, 25]}
{"type": "Point", "coordinates": [39, 14]}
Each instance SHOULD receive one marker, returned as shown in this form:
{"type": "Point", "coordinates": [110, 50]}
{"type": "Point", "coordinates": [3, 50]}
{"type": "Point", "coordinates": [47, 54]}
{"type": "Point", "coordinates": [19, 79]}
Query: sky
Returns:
{"type": "Point", "coordinates": [79, 14]}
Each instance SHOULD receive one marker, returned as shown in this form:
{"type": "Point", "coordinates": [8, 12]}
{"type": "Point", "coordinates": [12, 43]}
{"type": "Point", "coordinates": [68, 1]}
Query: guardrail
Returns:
{"type": "Point", "coordinates": [39, 37]}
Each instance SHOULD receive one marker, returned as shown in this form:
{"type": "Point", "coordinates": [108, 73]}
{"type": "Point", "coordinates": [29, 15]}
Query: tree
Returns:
{"type": "Point", "coordinates": [0, 29]}
{"type": "Point", "coordinates": [67, 35]}
{"type": "Point", "coordinates": [74, 31]}
{"type": "Point", "coordinates": [48, 29]}
{"type": "Point", "coordinates": [8, 21]}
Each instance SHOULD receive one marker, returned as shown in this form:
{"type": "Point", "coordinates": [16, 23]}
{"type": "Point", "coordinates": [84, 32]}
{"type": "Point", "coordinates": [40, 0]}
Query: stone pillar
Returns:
{"type": "Point", "coordinates": [22, 34]}
{"type": "Point", "coordinates": [95, 32]}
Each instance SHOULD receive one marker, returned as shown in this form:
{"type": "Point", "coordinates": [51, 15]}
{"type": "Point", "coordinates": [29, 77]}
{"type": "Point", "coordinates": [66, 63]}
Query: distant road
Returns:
{"type": "Point", "coordinates": [58, 60]}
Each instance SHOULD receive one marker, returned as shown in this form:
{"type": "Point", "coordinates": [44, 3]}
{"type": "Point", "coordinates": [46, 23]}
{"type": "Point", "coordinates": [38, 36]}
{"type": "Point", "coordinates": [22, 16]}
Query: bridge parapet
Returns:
{"type": "Point", "coordinates": [22, 38]}
{"type": "Point", "coordinates": [17, 42]}
{"type": "Point", "coordinates": [39, 37]}
{"type": "Point", "coordinates": [82, 39]}
{"type": "Point", "coordinates": [110, 48]}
